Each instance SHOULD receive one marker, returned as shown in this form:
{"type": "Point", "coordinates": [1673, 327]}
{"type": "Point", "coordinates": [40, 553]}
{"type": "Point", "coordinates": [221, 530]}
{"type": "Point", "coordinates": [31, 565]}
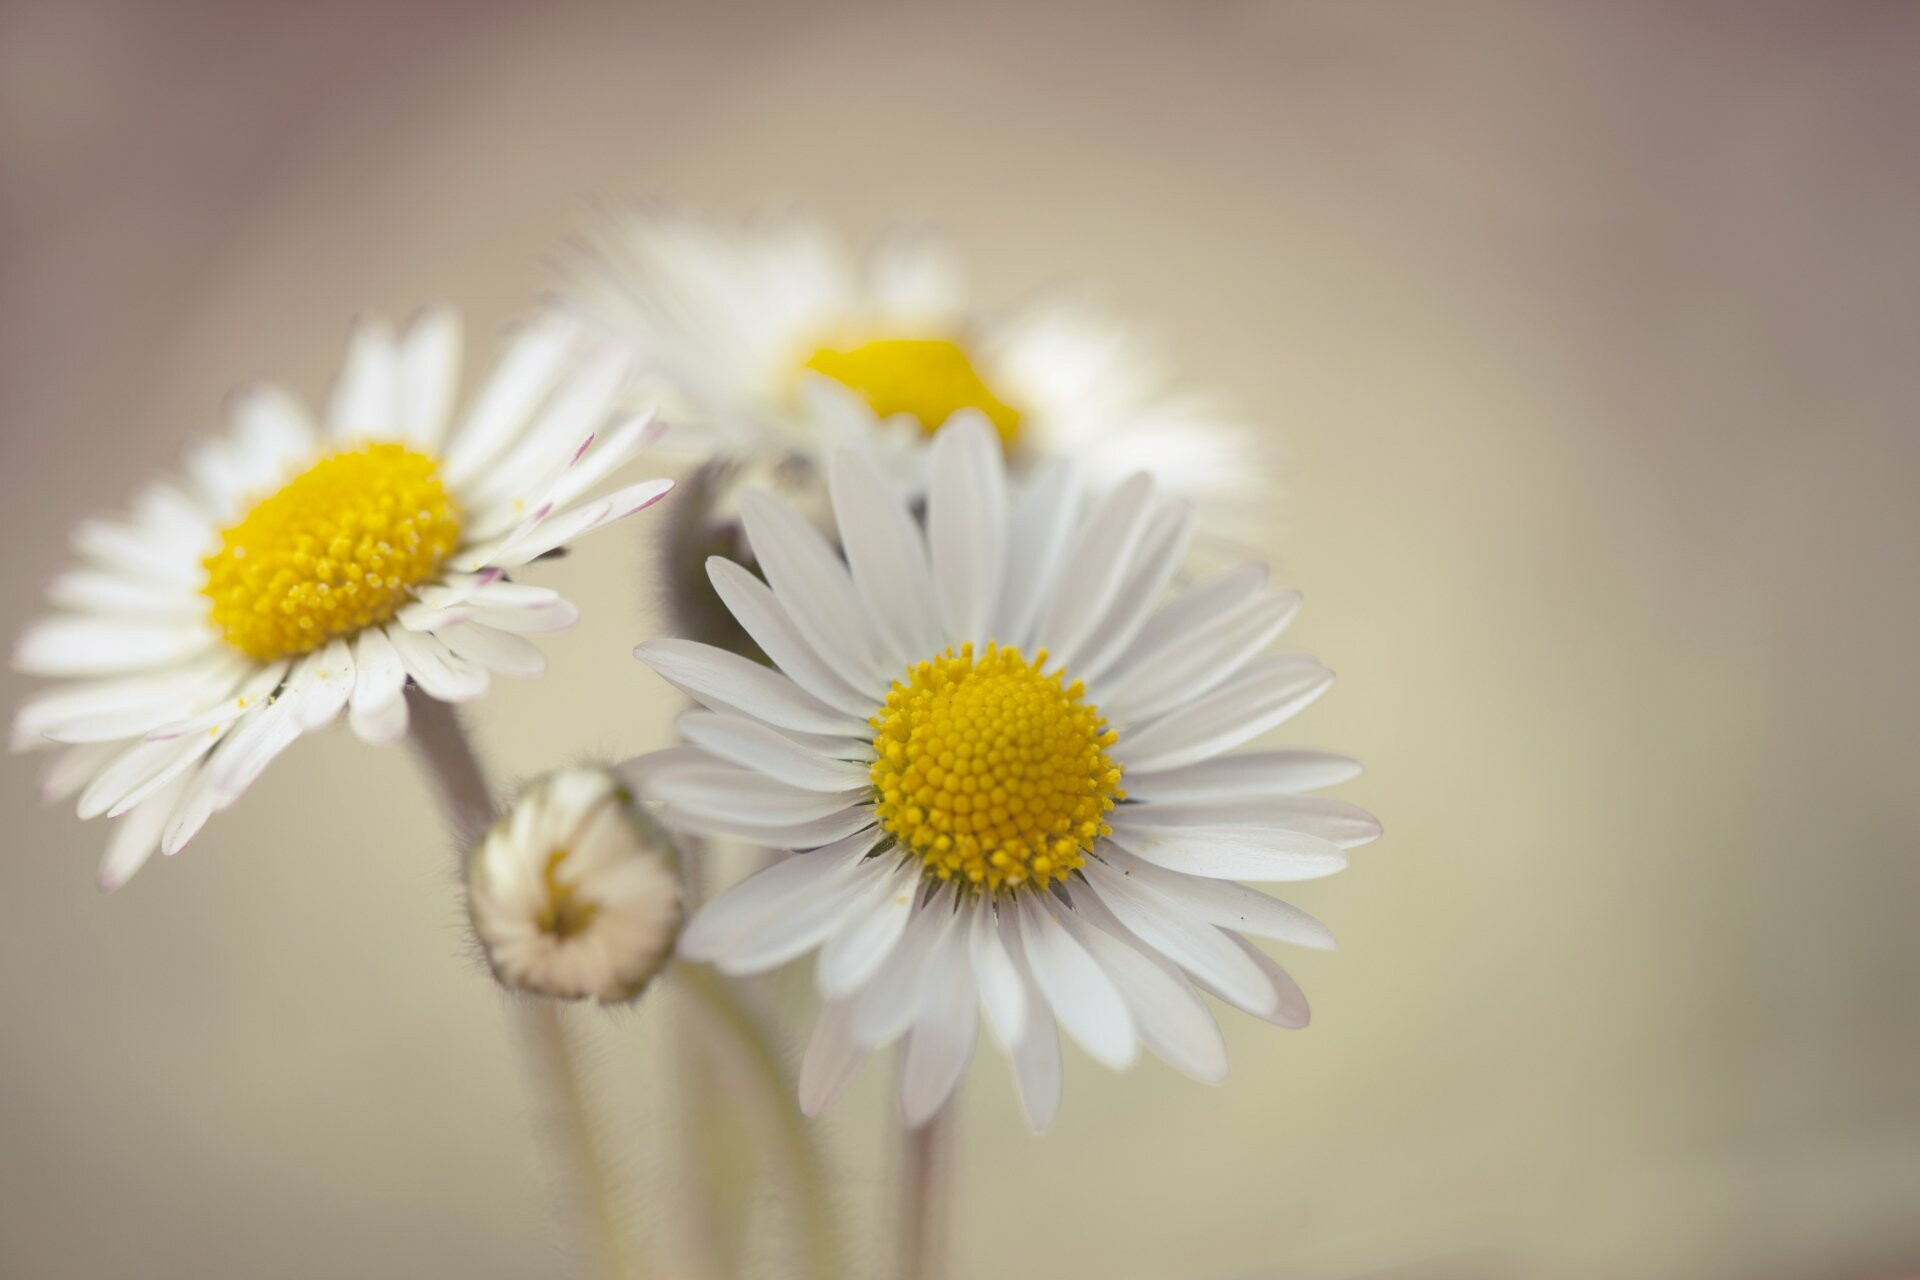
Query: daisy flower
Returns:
{"type": "Point", "coordinates": [1004, 771]}
{"type": "Point", "coordinates": [779, 342]}
{"type": "Point", "coordinates": [573, 892]}
{"type": "Point", "coordinates": [299, 571]}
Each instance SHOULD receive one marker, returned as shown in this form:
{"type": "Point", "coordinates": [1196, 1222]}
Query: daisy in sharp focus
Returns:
{"type": "Point", "coordinates": [1005, 769]}
{"type": "Point", "coordinates": [300, 570]}
{"type": "Point", "coordinates": [776, 341]}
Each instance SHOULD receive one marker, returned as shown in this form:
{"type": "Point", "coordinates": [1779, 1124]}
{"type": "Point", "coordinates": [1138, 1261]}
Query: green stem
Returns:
{"type": "Point", "coordinates": [748, 1034]}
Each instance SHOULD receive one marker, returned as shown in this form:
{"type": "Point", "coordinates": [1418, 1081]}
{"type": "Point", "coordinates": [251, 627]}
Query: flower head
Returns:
{"type": "Point", "coordinates": [778, 342]}
{"type": "Point", "coordinates": [302, 570]}
{"type": "Point", "coordinates": [573, 892]}
{"type": "Point", "coordinates": [1008, 775]}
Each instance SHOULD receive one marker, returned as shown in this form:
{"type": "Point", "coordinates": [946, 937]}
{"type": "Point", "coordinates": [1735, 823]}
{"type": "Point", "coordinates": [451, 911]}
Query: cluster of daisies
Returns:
{"type": "Point", "coordinates": [984, 720]}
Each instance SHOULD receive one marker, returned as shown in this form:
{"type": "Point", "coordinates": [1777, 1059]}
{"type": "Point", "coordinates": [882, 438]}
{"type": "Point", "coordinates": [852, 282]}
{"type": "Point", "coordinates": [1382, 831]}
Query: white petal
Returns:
{"type": "Point", "coordinates": [1288, 1003]}
{"type": "Point", "coordinates": [814, 589]}
{"type": "Point", "coordinates": [869, 933]}
{"type": "Point", "coordinates": [754, 605]}
{"type": "Point", "coordinates": [429, 376]}
{"type": "Point", "coordinates": [136, 836]}
{"type": "Point", "coordinates": [807, 914]}
{"type": "Point", "coordinates": [159, 696]}
{"type": "Point", "coordinates": [552, 441]}
{"type": "Point", "coordinates": [727, 682]}
{"type": "Point", "coordinates": [1173, 1021]}
{"type": "Point", "coordinates": [131, 769]}
{"type": "Point", "coordinates": [1335, 821]}
{"type": "Point", "coordinates": [1250, 773]}
{"type": "Point", "coordinates": [758, 746]}
{"type": "Point", "coordinates": [247, 752]}
{"type": "Point", "coordinates": [70, 769]}
{"type": "Point", "coordinates": [611, 450]}
{"type": "Point", "coordinates": [365, 402]}
{"type": "Point", "coordinates": [1084, 999]}
{"type": "Point", "coordinates": [438, 671]}
{"type": "Point", "coordinates": [546, 532]}
{"type": "Point", "coordinates": [1193, 944]}
{"type": "Point", "coordinates": [1043, 517]}
{"type": "Point", "coordinates": [944, 1028]}
{"type": "Point", "coordinates": [190, 814]}
{"type": "Point", "coordinates": [1092, 572]}
{"type": "Point", "coordinates": [1268, 693]}
{"type": "Point", "coordinates": [1003, 992]}
{"type": "Point", "coordinates": [833, 1058]}
{"type": "Point", "coordinates": [772, 835]}
{"type": "Point", "coordinates": [724, 791]}
{"type": "Point", "coordinates": [67, 645]}
{"type": "Point", "coordinates": [967, 526]}
{"type": "Point", "coordinates": [519, 383]}
{"type": "Point", "coordinates": [887, 558]}
{"type": "Point", "coordinates": [495, 650]}
{"type": "Point", "coordinates": [378, 708]}
{"type": "Point", "coordinates": [1036, 1056]}
{"type": "Point", "coordinates": [1186, 666]}
{"type": "Point", "coordinates": [101, 591]}
{"type": "Point", "coordinates": [740, 910]}
{"type": "Point", "coordinates": [886, 1005]}
{"type": "Point", "coordinates": [1162, 547]}
{"type": "Point", "coordinates": [1192, 611]}
{"type": "Point", "coordinates": [321, 685]}
{"type": "Point", "coordinates": [121, 548]}
{"type": "Point", "coordinates": [1229, 905]}
{"type": "Point", "coordinates": [1232, 853]}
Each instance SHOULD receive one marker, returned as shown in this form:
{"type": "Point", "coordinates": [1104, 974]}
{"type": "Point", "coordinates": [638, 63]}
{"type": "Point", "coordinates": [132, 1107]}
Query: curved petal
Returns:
{"type": "Point", "coordinates": [967, 526]}
{"type": "Point", "coordinates": [727, 682]}
{"type": "Point", "coordinates": [1267, 694]}
{"type": "Point", "coordinates": [1090, 1008]}
{"type": "Point", "coordinates": [887, 558]}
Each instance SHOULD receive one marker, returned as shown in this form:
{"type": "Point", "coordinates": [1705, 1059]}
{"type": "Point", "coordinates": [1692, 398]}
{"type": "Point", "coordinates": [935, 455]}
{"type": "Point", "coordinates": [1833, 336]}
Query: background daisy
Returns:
{"type": "Point", "coordinates": [303, 569]}
{"type": "Point", "coordinates": [776, 339]}
{"type": "Point", "coordinates": [1007, 773]}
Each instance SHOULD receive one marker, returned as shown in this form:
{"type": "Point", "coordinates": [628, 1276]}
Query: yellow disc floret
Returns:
{"type": "Point", "coordinates": [992, 772]}
{"type": "Point", "coordinates": [929, 379]}
{"type": "Point", "coordinates": [340, 548]}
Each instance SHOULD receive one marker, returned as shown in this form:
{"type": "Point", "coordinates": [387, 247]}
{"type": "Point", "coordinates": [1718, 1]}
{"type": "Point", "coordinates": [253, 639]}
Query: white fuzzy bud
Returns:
{"type": "Point", "coordinates": [573, 892]}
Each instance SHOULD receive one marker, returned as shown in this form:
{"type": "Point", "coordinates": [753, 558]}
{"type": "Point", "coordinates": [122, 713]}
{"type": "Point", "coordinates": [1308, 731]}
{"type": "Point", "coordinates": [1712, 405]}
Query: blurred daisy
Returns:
{"type": "Point", "coordinates": [1005, 774]}
{"type": "Point", "coordinates": [777, 342]}
{"type": "Point", "coordinates": [573, 893]}
{"type": "Point", "coordinates": [300, 571]}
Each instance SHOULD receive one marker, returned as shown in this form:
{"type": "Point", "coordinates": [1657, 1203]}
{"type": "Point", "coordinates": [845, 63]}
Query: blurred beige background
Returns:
{"type": "Point", "coordinates": [1590, 331]}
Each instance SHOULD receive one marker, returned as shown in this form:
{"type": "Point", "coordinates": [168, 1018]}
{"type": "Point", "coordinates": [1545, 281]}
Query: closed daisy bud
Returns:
{"type": "Point", "coordinates": [573, 892]}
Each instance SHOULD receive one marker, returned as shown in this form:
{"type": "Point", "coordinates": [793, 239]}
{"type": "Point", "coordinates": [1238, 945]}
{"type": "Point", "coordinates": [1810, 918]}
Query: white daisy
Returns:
{"type": "Point", "coordinates": [779, 343]}
{"type": "Point", "coordinates": [300, 571]}
{"type": "Point", "coordinates": [1004, 774]}
{"type": "Point", "coordinates": [572, 892]}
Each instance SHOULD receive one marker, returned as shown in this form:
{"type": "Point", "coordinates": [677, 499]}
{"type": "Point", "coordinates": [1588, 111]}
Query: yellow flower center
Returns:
{"type": "Point", "coordinates": [340, 548]}
{"type": "Point", "coordinates": [992, 772]}
{"type": "Point", "coordinates": [930, 379]}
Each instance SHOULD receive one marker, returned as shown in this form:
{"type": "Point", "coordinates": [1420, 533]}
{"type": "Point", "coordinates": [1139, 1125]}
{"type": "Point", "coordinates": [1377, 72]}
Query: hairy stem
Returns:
{"type": "Point", "coordinates": [925, 1180]}
{"type": "Point", "coordinates": [753, 1044]}
{"type": "Point", "coordinates": [575, 1132]}
{"type": "Point", "coordinates": [454, 773]}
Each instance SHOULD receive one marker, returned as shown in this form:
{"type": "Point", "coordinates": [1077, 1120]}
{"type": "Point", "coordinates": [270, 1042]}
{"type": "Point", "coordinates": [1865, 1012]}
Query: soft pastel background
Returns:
{"type": "Point", "coordinates": [1590, 331]}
